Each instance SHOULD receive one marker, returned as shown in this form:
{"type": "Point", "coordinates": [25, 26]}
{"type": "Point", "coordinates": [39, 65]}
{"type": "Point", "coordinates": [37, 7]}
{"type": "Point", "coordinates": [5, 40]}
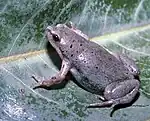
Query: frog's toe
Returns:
{"type": "Point", "coordinates": [100, 105]}
{"type": "Point", "coordinates": [101, 98]}
{"type": "Point", "coordinates": [39, 85]}
{"type": "Point", "coordinates": [36, 87]}
{"type": "Point", "coordinates": [36, 78]}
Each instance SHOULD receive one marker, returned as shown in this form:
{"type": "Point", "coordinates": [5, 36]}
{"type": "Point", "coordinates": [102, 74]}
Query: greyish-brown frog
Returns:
{"type": "Point", "coordinates": [112, 76]}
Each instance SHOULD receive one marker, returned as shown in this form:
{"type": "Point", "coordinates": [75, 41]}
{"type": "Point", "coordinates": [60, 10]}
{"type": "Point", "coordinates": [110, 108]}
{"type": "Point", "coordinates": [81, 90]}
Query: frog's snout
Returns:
{"type": "Point", "coordinates": [49, 29]}
{"type": "Point", "coordinates": [48, 32]}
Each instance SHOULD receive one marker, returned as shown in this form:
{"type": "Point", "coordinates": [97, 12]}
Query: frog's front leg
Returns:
{"type": "Point", "coordinates": [119, 93]}
{"type": "Point", "coordinates": [65, 67]}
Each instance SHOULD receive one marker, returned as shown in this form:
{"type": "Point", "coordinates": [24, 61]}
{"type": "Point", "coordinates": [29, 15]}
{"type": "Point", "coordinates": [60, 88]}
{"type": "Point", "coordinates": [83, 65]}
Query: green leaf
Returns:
{"type": "Point", "coordinates": [124, 27]}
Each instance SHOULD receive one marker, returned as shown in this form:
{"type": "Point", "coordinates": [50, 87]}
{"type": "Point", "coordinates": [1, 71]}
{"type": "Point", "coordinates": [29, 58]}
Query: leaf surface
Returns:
{"type": "Point", "coordinates": [119, 26]}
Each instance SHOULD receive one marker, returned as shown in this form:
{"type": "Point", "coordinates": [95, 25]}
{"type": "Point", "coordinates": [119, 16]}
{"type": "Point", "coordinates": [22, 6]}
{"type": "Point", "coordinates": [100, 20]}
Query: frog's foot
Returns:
{"type": "Point", "coordinates": [100, 105]}
{"type": "Point", "coordinates": [103, 104]}
{"type": "Point", "coordinates": [47, 83]}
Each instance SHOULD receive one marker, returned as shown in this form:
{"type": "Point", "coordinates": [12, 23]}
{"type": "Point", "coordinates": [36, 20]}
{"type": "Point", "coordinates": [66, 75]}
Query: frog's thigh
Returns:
{"type": "Point", "coordinates": [128, 62]}
{"type": "Point", "coordinates": [122, 92]}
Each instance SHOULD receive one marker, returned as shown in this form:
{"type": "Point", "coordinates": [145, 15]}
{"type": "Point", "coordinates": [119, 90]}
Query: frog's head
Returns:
{"type": "Point", "coordinates": [59, 35]}
{"type": "Point", "coordinates": [62, 35]}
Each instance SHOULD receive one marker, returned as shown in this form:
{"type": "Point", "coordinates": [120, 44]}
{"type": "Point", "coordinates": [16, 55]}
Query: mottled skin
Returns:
{"type": "Point", "coordinates": [112, 76]}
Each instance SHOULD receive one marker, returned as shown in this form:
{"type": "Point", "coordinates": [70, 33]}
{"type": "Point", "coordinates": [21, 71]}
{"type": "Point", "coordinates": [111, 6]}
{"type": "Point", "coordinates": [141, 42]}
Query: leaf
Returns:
{"type": "Point", "coordinates": [123, 26]}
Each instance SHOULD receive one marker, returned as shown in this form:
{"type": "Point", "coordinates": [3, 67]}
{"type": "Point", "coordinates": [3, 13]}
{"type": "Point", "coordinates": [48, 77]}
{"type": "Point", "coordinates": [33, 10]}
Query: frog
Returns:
{"type": "Point", "coordinates": [112, 76]}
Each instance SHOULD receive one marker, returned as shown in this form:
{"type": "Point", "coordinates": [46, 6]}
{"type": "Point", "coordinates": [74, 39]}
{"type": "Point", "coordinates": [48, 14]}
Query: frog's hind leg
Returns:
{"type": "Point", "coordinates": [129, 63]}
{"type": "Point", "coordinates": [119, 93]}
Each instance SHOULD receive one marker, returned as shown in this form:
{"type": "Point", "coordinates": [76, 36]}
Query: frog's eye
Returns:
{"type": "Point", "coordinates": [55, 37]}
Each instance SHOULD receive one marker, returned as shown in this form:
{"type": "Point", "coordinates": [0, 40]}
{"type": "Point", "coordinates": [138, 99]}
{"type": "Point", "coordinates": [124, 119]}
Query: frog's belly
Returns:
{"type": "Point", "coordinates": [96, 86]}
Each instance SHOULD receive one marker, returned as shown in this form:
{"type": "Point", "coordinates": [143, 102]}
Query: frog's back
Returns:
{"type": "Point", "coordinates": [98, 67]}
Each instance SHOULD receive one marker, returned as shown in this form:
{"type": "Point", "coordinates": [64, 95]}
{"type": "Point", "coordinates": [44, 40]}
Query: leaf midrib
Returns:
{"type": "Point", "coordinates": [115, 36]}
